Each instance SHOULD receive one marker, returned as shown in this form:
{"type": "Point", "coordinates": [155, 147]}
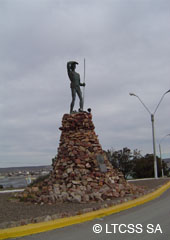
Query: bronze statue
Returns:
{"type": "Point", "coordinates": [75, 85]}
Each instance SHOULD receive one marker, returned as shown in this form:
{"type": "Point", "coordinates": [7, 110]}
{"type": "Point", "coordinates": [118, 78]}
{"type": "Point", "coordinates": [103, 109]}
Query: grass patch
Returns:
{"type": "Point", "coordinates": [39, 180]}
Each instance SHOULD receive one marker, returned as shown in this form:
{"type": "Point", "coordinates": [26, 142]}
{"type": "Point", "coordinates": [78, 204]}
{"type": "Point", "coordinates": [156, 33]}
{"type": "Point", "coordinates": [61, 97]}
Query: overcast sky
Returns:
{"type": "Point", "coordinates": [126, 45]}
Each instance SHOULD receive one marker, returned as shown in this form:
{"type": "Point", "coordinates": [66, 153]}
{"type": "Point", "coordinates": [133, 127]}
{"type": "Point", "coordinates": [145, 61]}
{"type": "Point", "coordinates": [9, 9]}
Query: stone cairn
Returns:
{"type": "Point", "coordinates": [76, 174]}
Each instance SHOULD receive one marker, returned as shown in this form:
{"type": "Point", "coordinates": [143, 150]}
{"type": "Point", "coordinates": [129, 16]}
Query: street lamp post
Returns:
{"type": "Point", "coordinates": [162, 171]}
{"type": "Point", "coordinates": [153, 127]}
{"type": "Point", "coordinates": [154, 146]}
{"type": "Point", "coordinates": [161, 153]}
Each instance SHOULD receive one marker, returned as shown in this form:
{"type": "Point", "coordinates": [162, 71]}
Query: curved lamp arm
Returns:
{"type": "Point", "coordinates": [132, 94]}
{"type": "Point", "coordinates": [161, 100]}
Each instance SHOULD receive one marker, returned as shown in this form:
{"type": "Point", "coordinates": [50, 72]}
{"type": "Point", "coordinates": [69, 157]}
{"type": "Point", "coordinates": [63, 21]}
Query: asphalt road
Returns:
{"type": "Point", "coordinates": [150, 221]}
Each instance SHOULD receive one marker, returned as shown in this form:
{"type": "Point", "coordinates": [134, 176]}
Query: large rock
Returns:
{"type": "Point", "coordinates": [77, 175]}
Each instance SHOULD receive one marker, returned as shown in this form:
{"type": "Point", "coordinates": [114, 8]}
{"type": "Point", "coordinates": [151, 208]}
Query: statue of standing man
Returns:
{"type": "Point", "coordinates": [75, 85]}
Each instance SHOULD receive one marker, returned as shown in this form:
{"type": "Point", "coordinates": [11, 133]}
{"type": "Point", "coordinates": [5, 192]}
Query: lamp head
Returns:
{"type": "Point", "coordinates": [132, 94]}
{"type": "Point", "coordinates": [167, 91]}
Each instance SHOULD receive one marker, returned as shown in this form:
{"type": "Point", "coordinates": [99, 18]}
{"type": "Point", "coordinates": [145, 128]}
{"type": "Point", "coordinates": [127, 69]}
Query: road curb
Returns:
{"type": "Point", "coordinates": [63, 222]}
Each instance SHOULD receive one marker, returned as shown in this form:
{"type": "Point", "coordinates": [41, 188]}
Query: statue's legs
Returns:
{"type": "Point", "coordinates": [73, 93]}
{"type": "Point", "coordinates": [78, 90]}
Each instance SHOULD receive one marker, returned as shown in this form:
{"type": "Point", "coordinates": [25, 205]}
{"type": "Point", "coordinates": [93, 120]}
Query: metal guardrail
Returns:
{"type": "Point", "coordinates": [10, 191]}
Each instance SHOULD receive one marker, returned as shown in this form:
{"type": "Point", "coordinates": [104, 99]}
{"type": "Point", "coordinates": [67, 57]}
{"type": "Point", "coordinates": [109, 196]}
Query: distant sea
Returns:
{"type": "Point", "coordinates": [19, 181]}
{"type": "Point", "coordinates": [14, 182]}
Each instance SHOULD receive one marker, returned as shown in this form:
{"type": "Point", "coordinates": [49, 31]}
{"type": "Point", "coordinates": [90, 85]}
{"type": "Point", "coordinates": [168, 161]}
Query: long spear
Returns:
{"type": "Point", "coordinates": [84, 81]}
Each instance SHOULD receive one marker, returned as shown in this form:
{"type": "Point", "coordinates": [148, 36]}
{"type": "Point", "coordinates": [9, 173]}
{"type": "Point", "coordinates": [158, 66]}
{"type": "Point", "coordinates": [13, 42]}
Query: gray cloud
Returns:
{"type": "Point", "coordinates": [126, 46]}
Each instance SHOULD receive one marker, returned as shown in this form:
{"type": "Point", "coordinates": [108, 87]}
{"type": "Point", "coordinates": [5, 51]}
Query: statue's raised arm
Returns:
{"type": "Point", "coordinates": [70, 65]}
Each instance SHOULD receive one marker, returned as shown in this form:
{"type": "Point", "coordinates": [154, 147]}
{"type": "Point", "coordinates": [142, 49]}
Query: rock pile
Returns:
{"type": "Point", "coordinates": [77, 174]}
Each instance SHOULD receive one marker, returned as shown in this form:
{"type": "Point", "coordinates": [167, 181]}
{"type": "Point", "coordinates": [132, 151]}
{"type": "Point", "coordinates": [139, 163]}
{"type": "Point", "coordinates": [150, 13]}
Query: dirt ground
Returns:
{"type": "Point", "coordinates": [12, 211]}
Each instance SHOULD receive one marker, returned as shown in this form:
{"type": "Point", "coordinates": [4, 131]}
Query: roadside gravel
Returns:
{"type": "Point", "coordinates": [14, 213]}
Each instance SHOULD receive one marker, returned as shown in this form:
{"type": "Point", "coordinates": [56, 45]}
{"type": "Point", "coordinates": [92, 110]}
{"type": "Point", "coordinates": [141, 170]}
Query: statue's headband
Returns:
{"type": "Point", "coordinates": [74, 63]}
